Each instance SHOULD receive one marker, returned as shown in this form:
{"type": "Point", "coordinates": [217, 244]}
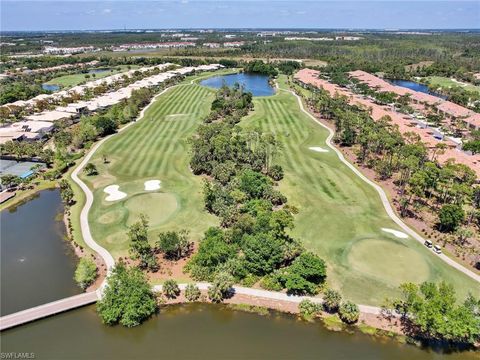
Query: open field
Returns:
{"type": "Point", "coordinates": [154, 149]}
{"type": "Point", "coordinates": [445, 82]}
{"type": "Point", "coordinates": [66, 81]}
{"type": "Point", "coordinates": [341, 217]}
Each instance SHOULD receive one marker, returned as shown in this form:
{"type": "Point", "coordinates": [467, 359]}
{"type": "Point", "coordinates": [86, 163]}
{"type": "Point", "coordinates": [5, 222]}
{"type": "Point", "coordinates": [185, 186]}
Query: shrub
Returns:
{"type": "Point", "coordinates": [221, 287]}
{"type": "Point", "coordinates": [90, 169]}
{"type": "Point", "coordinates": [308, 309]}
{"type": "Point", "coordinates": [192, 292]}
{"type": "Point", "coordinates": [171, 289]}
{"type": "Point", "coordinates": [349, 312]}
{"type": "Point", "coordinates": [305, 274]}
{"type": "Point", "coordinates": [271, 282]}
{"type": "Point", "coordinates": [86, 272]}
{"type": "Point", "coordinates": [276, 172]}
{"type": "Point", "coordinates": [331, 300]}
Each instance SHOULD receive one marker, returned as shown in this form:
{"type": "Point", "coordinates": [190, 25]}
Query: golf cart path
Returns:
{"type": "Point", "coordinates": [383, 196]}
{"type": "Point", "coordinates": [84, 226]}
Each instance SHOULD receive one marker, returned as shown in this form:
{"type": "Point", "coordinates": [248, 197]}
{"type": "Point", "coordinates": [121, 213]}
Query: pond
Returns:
{"type": "Point", "coordinates": [50, 87]}
{"type": "Point", "coordinates": [257, 84]}
{"type": "Point", "coordinates": [202, 331]}
{"type": "Point", "coordinates": [37, 264]}
{"type": "Point", "coordinates": [412, 85]}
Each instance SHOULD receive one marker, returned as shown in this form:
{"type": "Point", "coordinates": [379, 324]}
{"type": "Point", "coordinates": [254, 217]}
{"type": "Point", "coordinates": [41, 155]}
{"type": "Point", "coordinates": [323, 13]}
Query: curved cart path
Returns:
{"type": "Point", "coordinates": [85, 227]}
{"type": "Point", "coordinates": [383, 195]}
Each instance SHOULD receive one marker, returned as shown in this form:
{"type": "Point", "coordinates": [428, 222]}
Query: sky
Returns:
{"type": "Point", "coordinates": [38, 15]}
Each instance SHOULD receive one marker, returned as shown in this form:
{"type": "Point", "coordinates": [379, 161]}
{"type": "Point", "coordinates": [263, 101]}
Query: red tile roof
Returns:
{"type": "Point", "coordinates": [310, 77]}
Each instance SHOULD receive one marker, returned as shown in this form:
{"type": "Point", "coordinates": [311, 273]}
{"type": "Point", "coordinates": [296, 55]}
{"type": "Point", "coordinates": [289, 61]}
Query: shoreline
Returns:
{"type": "Point", "coordinates": [366, 318]}
{"type": "Point", "coordinates": [370, 324]}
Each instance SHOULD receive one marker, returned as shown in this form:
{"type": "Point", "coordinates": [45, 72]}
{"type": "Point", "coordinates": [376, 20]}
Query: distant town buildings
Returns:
{"type": "Point", "coordinates": [211, 45]}
{"type": "Point", "coordinates": [234, 44]}
{"type": "Point", "coordinates": [158, 45]}
{"type": "Point", "coordinates": [337, 38]}
{"type": "Point", "coordinates": [51, 50]}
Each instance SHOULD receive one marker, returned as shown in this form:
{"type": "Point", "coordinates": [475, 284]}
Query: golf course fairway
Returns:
{"type": "Point", "coordinates": [155, 148]}
{"type": "Point", "coordinates": [340, 216]}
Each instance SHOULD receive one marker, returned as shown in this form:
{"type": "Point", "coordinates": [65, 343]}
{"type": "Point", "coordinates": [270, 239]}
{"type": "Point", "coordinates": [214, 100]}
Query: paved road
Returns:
{"type": "Point", "coordinates": [383, 196]}
{"type": "Point", "coordinates": [45, 310]}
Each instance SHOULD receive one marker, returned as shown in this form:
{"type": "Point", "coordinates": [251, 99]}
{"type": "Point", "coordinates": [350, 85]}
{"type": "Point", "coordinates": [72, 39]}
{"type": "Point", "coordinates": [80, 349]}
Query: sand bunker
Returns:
{"type": "Point", "coordinates": [151, 185]}
{"type": "Point", "coordinates": [397, 233]}
{"type": "Point", "coordinates": [318, 149]}
{"type": "Point", "coordinates": [114, 193]}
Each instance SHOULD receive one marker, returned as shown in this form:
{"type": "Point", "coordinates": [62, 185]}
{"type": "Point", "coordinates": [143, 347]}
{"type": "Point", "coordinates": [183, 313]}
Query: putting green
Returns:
{"type": "Point", "coordinates": [388, 260]}
{"type": "Point", "coordinates": [338, 211]}
{"type": "Point", "coordinates": [111, 217]}
{"type": "Point", "coordinates": [159, 207]}
{"type": "Point", "coordinates": [156, 147]}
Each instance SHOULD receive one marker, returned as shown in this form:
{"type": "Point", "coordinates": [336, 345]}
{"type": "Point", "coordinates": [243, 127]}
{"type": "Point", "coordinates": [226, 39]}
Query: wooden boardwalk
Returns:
{"type": "Point", "coordinates": [46, 310]}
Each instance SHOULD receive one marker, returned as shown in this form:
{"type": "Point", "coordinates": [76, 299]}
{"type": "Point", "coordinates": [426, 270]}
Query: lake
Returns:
{"type": "Point", "coordinates": [37, 264]}
{"type": "Point", "coordinates": [412, 85]}
{"type": "Point", "coordinates": [202, 331]}
{"type": "Point", "coordinates": [49, 87]}
{"type": "Point", "coordinates": [257, 84]}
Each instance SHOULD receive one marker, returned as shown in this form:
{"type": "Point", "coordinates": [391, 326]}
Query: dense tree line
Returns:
{"type": "Point", "coordinates": [260, 67]}
{"type": "Point", "coordinates": [240, 188]}
{"type": "Point", "coordinates": [433, 312]}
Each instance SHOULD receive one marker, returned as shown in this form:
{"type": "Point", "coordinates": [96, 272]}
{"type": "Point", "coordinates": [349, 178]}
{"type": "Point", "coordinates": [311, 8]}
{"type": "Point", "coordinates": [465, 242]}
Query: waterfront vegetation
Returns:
{"type": "Point", "coordinates": [128, 299]}
{"type": "Point", "coordinates": [431, 311]}
{"type": "Point", "coordinates": [86, 272]}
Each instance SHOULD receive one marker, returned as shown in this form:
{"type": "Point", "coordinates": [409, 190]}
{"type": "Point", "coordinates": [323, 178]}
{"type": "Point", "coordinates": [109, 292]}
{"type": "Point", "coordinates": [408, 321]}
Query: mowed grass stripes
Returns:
{"type": "Point", "coordinates": [341, 217]}
{"type": "Point", "coordinates": [155, 148]}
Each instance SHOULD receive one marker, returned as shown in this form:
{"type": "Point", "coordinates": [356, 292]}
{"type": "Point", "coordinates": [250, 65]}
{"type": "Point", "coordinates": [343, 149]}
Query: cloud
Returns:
{"type": "Point", "coordinates": [107, 11]}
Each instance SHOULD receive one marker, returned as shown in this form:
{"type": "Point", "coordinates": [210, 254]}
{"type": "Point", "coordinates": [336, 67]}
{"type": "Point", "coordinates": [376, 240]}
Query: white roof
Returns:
{"type": "Point", "coordinates": [50, 116]}
{"type": "Point", "coordinates": [33, 126]}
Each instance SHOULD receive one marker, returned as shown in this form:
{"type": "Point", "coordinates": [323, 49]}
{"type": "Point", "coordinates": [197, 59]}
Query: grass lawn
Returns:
{"type": "Point", "coordinates": [154, 148]}
{"type": "Point", "coordinates": [67, 81]}
{"type": "Point", "coordinates": [21, 195]}
{"type": "Point", "coordinates": [445, 82]}
{"type": "Point", "coordinates": [341, 216]}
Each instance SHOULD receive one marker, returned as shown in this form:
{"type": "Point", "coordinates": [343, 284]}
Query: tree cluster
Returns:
{"type": "Point", "coordinates": [447, 190]}
{"type": "Point", "coordinates": [433, 311]}
{"type": "Point", "coordinates": [240, 187]}
{"type": "Point", "coordinates": [128, 298]}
